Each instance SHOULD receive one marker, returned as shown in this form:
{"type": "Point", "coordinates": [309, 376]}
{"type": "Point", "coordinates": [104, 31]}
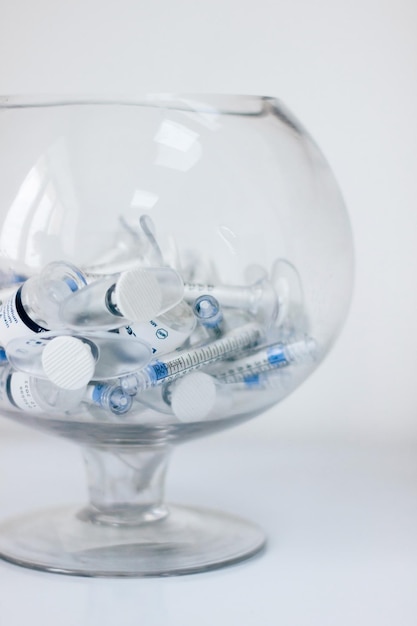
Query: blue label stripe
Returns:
{"type": "Point", "coordinates": [276, 356]}
{"type": "Point", "coordinates": [160, 370]}
{"type": "Point", "coordinates": [71, 284]}
{"type": "Point", "coordinates": [97, 392]}
{"type": "Point", "coordinates": [252, 381]}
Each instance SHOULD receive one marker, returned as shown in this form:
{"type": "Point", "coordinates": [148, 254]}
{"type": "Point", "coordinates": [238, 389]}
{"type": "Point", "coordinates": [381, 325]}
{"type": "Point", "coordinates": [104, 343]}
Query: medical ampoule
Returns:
{"type": "Point", "coordinates": [34, 307]}
{"type": "Point", "coordinates": [267, 358]}
{"type": "Point", "coordinates": [138, 295]}
{"type": "Point", "coordinates": [166, 332]}
{"type": "Point", "coordinates": [258, 299]}
{"type": "Point", "coordinates": [70, 362]}
{"type": "Point", "coordinates": [27, 393]}
{"type": "Point", "coordinates": [185, 361]}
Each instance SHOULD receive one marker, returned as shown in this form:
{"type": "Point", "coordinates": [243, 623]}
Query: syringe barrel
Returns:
{"type": "Point", "coordinates": [168, 369]}
{"type": "Point", "coordinates": [268, 358]}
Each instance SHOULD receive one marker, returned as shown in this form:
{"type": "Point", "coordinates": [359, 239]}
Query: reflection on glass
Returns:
{"type": "Point", "coordinates": [178, 146]}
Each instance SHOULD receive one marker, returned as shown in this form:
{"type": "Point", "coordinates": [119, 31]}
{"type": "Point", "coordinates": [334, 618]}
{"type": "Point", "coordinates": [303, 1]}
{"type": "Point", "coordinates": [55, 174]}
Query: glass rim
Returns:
{"type": "Point", "coordinates": [215, 103]}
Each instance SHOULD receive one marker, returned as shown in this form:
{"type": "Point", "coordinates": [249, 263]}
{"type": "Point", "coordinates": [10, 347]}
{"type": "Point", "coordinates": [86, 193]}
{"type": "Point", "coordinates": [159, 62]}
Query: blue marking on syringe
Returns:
{"type": "Point", "coordinates": [276, 355]}
{"type": "Point", "coordinates": [245, 369]}
{"type": "Point", "coordinates": [158, 370]}
{"type": "Point", "coordinates": [111, 397]}
{"type": "Point", "coordinates": [97, 393]}
{"type": "Point", "coordinates": [3, 356]}
{"type": "Point", "coordinates": [19, 278]}
{"type": "Point", "coordinates": [252, 381]}
{"type": "Point", "coordinates": [72, 284]}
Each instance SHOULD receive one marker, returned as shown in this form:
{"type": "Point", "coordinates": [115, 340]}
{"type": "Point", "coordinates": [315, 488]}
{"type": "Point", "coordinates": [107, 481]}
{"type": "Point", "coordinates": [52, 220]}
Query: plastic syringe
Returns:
{"type": "Point", "coordinates": [168, 369]}
{"type": "Point", "coordinates": [259, 299]}
{"type": "Point", "coordinates": [266, 359]}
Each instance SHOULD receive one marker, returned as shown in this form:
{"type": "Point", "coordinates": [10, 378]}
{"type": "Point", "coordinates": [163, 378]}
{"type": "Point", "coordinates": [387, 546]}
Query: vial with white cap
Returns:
{"type": "Point", "coordinates": [68, 362]}
{"type": "Point", "coordinates": [71, 361]}
{"type": "Point", "coordinates": [197, 397]}
{"type": "Point", "coordinates": [137, 295]}
{"type": "Point", "coordinates": [30, 394]}
{"type": "Point", "coordinates": [34, 307]}
{"type": "Point", "coordinates": [21, 391]}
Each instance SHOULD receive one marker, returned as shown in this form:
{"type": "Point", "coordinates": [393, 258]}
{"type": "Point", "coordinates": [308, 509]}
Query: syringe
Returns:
{"type": "Point", "coordinates": [168, 369]}
{"type": "Point", "coordinates": [258, 299]}
{"type": "Point", "coordinates": [266, 359]}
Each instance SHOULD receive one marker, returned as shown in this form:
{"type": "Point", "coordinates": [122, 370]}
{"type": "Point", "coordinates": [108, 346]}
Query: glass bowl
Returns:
{"type": "Point", "coordinates": [170, 266]}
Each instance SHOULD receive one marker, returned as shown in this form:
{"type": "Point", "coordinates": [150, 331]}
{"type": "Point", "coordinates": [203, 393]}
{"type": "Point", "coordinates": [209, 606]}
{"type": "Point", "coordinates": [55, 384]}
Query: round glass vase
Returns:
{"type": "Point", "coordinates": [231, 194]}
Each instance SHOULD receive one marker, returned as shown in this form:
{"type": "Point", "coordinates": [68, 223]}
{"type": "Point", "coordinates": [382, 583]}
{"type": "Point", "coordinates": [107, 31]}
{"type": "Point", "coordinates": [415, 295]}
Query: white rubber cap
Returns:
{"type": "Point", "coordinates": [68, 362]}
{"type": "Point", "coordinates": [138, 295]}
{"type": "Point", "coordinates": [193, 397]}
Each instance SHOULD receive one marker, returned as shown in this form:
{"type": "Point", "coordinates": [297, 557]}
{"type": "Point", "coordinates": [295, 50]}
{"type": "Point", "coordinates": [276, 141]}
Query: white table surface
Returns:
{"type": "Point", "coordinates": [341, 521]}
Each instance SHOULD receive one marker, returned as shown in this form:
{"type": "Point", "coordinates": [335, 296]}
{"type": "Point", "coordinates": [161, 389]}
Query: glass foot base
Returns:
{"type": "Point", "coordinates": [185, 541]}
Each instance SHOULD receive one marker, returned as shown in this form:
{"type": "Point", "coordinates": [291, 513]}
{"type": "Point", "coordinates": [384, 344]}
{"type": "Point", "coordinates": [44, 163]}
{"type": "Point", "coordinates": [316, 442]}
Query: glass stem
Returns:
{"type": "Point", "coordinates": [126, 484]}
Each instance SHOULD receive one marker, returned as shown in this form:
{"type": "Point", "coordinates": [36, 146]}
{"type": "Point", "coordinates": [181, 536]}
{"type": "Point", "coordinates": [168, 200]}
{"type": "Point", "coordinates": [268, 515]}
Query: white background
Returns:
{"type": "Point", "coordinates": [347, 70]}
{"type": "Point", "coordinates": [331, 472]}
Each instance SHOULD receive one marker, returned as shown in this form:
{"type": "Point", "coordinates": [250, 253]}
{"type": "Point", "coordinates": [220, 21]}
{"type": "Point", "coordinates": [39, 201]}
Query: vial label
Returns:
{"type": "Point", "coordinates": [14, 321]}
{"type": "Point", "coordinates": [160, 337]}
{"type": "Point", "coordinates": [21, 392]}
